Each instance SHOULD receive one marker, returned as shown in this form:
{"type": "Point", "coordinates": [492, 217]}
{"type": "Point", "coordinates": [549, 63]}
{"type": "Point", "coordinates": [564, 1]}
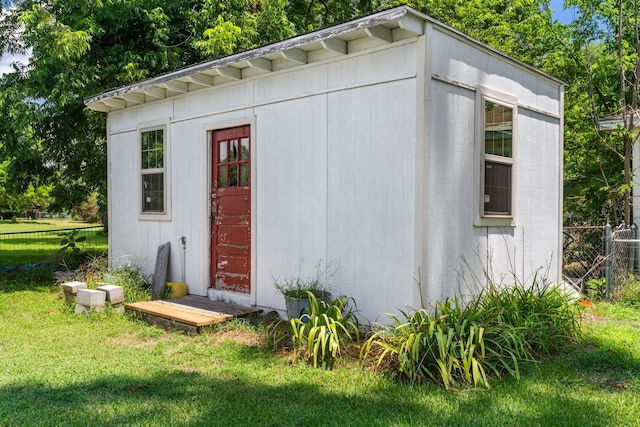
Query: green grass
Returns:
{"type": "Point", "coordinates": [107, 369]}
{"type": "Point", "coordinates": [33, 248]}
{"type": "Point", "coordinates": [6, 226]}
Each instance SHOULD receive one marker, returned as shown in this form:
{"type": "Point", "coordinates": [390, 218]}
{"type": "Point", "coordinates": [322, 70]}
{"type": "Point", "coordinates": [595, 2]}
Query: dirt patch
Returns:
{"type": "Point", "coordinates": [135, 341]}
{"type": "Point", "coordinates": [241, 337]}
{"type": "Point", "coordinates": [592, 318]}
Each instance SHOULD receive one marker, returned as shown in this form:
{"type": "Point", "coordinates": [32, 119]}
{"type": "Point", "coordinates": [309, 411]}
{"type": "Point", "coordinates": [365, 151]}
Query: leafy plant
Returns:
{"type": "Point", "coordinates": [321, 333]}
{"type": "Point", "coordinates": [452, 345]}
{"type": "Point", "coordinates": [295, 287]}
{"type": "Point", "coordinates": [543, 313]}
{"type": "Point", "coordinates": [70, 242]}
{"type": "Point", "coordinates": [596, 289]}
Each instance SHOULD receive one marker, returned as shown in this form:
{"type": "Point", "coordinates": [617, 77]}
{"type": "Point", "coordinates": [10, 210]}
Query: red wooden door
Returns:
{"type": "Point", "coordinates": [231, 209]}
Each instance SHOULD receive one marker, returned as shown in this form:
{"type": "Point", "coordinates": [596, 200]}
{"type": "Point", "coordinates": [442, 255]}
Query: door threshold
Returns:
{"type": "Point", "coordinates": [230, 297]}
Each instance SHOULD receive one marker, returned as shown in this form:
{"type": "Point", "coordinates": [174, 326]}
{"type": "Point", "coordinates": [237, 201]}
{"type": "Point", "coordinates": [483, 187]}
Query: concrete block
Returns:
{"type": "Point", "coordinates": [90, 298]}
{"type": "Point", "coordinates": [114, 294]}
{"type": "Point", "coordinates": [85, 309]}
{"type": "Point", "coordinates": [71, 289]}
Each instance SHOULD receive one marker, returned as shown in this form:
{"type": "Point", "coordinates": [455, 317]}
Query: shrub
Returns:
{"type": "Point", "coordinates": [489, 336]}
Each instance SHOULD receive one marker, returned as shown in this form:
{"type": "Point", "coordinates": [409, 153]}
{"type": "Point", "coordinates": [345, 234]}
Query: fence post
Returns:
{"type": "Point", "coordinates": [608, 253]}
{"type": "Point", "coordinates": [633, 249]}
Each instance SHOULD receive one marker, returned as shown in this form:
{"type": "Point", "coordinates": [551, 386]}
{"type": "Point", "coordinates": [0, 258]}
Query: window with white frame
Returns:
{"type": "Point", "coordinates": [498, 148]}
{"type": "Point", "coordinates": [153, 171]}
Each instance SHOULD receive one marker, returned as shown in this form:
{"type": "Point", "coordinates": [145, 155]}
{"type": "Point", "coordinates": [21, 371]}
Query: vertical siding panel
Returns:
{"type": "Point", "coordinates": [291, 193]}
{"type": "Point", "coordinates": [371, 193]}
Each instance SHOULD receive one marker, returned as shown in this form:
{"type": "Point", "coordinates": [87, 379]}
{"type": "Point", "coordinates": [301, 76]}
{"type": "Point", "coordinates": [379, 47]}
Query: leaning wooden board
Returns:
{"type": "Point", "coordinates": [160, 272]}
{"type": "Point", "coordinates": [178, 314]}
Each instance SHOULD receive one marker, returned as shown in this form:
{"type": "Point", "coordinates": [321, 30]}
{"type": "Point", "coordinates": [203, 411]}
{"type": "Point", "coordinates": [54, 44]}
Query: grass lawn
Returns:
{"type": "Point", "coordinates": [20, 249]}
{"type": "Point", "coordinates": [107, 369]}
{"type": "Point", "coordinates": [44, 224]}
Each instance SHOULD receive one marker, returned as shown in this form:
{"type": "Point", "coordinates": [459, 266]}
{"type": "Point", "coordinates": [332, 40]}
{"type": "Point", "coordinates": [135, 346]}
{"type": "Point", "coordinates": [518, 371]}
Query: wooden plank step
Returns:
{"type": "Point", "coordinates": [179, 313]}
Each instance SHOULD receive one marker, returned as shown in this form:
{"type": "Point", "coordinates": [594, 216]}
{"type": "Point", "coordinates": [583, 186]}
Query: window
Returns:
{"type": "Point", "coordinates": [497, 189]}
{"type": "Point", "coordinates": [153, 173]}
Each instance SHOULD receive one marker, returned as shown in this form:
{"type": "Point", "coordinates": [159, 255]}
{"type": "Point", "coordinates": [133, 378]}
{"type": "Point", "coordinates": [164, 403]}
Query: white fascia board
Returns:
{"type": "Point", "coordinates": [381, 18]}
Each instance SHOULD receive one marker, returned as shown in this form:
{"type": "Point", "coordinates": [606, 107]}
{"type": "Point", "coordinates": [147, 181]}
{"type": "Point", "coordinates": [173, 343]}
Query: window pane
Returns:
{"type": "Point", "coordinates": [222, 152]}
{"type": "Point", "coordinates": [233, 176]}
{"type": "Point", "coordinates": [153, 192]}
{"type": "Point", "coordinates": [498, 129]}
{"type": "Point", "coordinates": [145, 141]}
{"type": "Point", "coordinates": [497, 188]}
{"type": "Point", "coordinates": [145, 160]}
{"type": "Point", "coordinates": [222, 176]}
{"type": "Point", "coordinates": [244, 175]}
{"type": "Point", "coordinates": [233, 150]}
{"type": "Point", "coordinates": [152, 149]}
{"type": "Point", "coordinates": [244, 149]}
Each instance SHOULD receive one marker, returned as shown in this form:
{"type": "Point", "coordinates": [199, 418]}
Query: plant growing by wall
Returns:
{"type": "Point", "coordinates": [490, 336]}
{"type": "Point", "coordinates": [321, 333]}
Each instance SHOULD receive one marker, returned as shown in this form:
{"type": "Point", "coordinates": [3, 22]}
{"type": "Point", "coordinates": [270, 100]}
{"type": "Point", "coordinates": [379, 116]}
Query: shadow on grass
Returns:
{"type": "Point", "coordinates": [32, 279]}
{"type": "Point", "coordinates": [192, 398]}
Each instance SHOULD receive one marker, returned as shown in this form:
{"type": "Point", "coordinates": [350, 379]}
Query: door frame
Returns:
{"type": "Point", "coordinates": [208, 129]}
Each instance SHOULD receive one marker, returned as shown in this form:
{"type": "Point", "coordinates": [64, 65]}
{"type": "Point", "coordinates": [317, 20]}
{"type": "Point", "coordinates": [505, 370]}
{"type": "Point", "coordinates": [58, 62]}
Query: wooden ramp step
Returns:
{"type": "Point", "coordinates": [190, 313]}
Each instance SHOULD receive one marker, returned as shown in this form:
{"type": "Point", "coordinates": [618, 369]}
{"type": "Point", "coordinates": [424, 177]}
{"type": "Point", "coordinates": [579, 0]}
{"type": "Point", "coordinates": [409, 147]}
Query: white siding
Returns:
{"type": "Point", "coordinates": [334, 173]}
{"type": "Point", "coordinates": [460, 61]}
{"type": "Point", "coordinates": [456, 249]}
{"type": "Point", "coordinates": [371, 195]}
{"type": "Point", "coordinates": [306, 121]}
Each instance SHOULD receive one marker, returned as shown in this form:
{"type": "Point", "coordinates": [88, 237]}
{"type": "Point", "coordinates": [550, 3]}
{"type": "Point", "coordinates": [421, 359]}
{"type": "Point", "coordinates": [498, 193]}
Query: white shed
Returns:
{"type": "Point", "coordinates": [394, 148]}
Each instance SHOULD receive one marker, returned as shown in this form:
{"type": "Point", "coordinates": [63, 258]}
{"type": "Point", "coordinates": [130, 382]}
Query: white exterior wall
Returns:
{"type": "Point", "coordinates": [453, 165]}
{"type": "Point", "coordinates": [333, 177]}
{"type": "Point", "coordinates": [366, 162]}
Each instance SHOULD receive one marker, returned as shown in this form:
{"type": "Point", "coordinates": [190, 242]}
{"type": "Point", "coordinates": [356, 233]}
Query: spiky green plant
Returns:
{"type": "Point", "coordinates": [491, 335]}
{"type": "Point", "coordinates": [322, 332]}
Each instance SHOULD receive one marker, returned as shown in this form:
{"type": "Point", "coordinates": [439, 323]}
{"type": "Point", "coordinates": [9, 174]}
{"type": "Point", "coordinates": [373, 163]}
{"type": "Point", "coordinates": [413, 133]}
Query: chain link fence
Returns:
{"type": "Point", "coordinates": [601, 261]}
{"type": "Point", "coordinates": [583, 255]}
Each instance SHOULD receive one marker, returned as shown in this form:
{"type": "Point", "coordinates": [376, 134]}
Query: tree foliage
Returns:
{"type": "Point", "coordinates": [82, 47]}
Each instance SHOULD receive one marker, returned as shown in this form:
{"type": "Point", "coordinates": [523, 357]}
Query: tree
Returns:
{"type": "Point", "coordinates": [82, 47]}
{"type": "Point", "coordinates": [603, 44]}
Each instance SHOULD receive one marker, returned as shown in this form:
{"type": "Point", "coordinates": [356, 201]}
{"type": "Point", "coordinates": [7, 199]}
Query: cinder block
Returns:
{"type": "Point", "coordinates": [90, 298]}
{"type": "Point", "coordinates": [115, 294]}
{"type": "Point", "coordinates": [71, 289]}
{"type": "Point", "coordinates": [85, 309]}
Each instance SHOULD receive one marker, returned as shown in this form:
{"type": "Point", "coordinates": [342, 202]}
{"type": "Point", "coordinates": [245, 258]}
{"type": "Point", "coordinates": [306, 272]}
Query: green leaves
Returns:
{"type": "Point", "coordinates": [222, 39]}
{"type": "Point", "coordinates": [321, 333]}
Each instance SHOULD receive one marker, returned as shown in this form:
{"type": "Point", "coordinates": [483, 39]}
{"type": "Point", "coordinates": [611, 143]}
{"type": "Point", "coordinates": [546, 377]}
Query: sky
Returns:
{"type": "Point", "coordinates": [564, 16]}
{"type": "Point", "coordinates": [560, 14]}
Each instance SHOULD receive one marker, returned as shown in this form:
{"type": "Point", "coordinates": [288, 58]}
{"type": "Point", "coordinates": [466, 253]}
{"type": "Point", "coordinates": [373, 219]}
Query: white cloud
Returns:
{"type": "Point", "coordinates": [7, 60]}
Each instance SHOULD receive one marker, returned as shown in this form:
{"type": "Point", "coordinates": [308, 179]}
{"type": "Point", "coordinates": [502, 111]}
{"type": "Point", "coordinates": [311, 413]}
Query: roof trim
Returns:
{"type": "Point", "coordinates": [381, 28]}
